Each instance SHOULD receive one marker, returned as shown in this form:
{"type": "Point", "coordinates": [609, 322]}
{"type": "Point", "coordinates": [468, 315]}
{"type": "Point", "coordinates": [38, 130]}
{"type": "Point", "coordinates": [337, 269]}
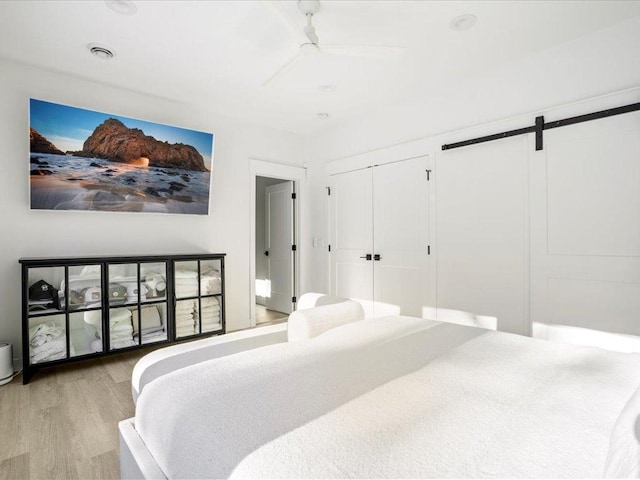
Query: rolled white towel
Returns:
{"type": "Point", "coordinates": [306, 324]}
{"type": "Point", "coordinates": [96, 345]}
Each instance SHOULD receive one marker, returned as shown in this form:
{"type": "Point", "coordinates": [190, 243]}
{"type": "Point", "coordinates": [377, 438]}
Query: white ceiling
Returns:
{"type": "Point", "coordinates": [219, 53]}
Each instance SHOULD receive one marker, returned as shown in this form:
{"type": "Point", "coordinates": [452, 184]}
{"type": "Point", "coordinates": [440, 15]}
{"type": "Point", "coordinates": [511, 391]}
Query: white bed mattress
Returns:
{"type": "Point", "coordinates": [397, 398]}
{"type": "Point", "coordinates": [170, 359]}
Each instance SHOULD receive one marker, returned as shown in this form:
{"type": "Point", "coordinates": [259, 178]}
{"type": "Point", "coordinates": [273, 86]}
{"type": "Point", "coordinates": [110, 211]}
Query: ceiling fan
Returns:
{"type": "Point", "coordinates": [309, 44]}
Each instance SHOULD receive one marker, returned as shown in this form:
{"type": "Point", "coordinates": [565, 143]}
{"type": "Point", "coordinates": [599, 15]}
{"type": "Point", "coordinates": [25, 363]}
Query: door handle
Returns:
{"type": "Point", "coordinates": [377, 257]}
{"type": "Point", "coordinates": [266, 252]}
{"type": "Point", "coordinates": [367, 256]}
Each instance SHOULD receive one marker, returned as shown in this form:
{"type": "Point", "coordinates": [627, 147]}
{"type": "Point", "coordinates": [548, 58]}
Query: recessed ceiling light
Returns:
{"type": "Point", "coordinates": [463, 22]}
{"type": "Point", "coordinates": [327, 88]}
{"type": "Point", "coordinates": [123, 7]}
{"type": "Point", "coordinates": [100, 51]}
{"type": "Point", "coordinates": [323, 116]}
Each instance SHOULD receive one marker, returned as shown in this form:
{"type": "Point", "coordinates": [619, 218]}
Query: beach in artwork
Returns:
{"type": "Point", "coordinates": [114, 166]}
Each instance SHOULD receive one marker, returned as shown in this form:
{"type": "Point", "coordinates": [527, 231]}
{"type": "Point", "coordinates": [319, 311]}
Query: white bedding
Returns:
{"type": "Point", "coordinates": [394, 397]}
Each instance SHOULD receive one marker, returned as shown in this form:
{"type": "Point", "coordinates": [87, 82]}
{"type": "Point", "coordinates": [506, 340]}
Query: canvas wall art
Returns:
{"type": "Point", "coordinates": [86, 160]}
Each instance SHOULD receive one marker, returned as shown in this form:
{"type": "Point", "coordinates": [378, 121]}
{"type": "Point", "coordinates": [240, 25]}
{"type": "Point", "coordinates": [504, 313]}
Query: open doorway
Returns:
{"type": "Point", "coordinates": [275, 249]}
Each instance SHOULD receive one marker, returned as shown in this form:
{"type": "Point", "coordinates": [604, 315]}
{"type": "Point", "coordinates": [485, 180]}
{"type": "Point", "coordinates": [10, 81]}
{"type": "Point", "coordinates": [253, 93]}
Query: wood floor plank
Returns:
{"type": "Point", "coordinates": [15, 468]}
{"type": "Point", "coordinates": [52, 454]}
{"type": "Point", "coordinates": [64, 423]}
{"type": "Point", "coordinates": [13, 421]}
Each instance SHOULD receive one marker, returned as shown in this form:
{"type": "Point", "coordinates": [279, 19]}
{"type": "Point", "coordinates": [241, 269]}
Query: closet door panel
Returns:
{"type": "Point", "coordinates": [585, 228]}
{"type": "Point", "coordinates": [481, 217]}
{"type": "Point", "coordinates": [401, 235]}
{"type": "Point", "coordinates": [351, 233]}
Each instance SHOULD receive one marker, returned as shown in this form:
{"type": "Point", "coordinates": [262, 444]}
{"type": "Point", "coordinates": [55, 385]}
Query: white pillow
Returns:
{"type": "Point", "coordinates": [312, 299]}
{"type": "Point", "coordinates": [309, 323]}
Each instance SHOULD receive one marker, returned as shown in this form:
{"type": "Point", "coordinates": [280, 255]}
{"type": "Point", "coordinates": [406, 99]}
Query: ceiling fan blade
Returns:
{"type": "Point", "coordinates": [371, 51]}
{"type": "Point", "coordinates": [282, 70]}
{"type": "Point", "coordinates": [275, 8]}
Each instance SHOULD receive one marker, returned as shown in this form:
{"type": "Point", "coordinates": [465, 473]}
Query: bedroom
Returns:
{"type": "Point", "coordinates": [584, 61]}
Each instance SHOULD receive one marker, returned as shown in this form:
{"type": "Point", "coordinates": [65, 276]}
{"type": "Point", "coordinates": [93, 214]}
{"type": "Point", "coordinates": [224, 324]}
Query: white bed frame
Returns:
{"type": "Point", "coordinates": [135, 460]}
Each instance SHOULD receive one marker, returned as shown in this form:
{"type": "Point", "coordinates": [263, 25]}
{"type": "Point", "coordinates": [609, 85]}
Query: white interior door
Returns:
{"type": "Point", "coordinates": [585, 227]}
{"type": "Point", "coordinates": [401, 235]}
{"type": "Point", "coordinates": [351, 235]}
{"type": "Point", "coordinates": [279, 238]}
{"type": "Point", "coordinates": [481, 204]}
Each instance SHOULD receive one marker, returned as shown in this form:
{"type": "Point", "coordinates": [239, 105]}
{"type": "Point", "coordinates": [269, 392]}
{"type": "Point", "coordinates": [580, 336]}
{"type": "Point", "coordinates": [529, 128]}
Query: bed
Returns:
{"type": "Point", "coordinates": [391, 397]}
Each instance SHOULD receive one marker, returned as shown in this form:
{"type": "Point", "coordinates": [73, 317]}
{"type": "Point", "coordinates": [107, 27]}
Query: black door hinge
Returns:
{"type": "Point", "coordinates": [328, 190]}
{"type": "Point", "coordinates": [293, 196]}
{"type": "Point", "coordinates": [428, 175]}
{"type": "Point", "coordinates": [428, 249]}
{"type": "Point", "coordinates": [329, 247]}
{"type": "Point", "coordinates": [294, 300]}
{"type": "Point", "coordinates": [294, 248]}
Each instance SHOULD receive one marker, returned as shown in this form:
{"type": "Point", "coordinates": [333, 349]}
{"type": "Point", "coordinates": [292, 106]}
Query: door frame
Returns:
{"type": "Point", "coordinates": [261, 168]}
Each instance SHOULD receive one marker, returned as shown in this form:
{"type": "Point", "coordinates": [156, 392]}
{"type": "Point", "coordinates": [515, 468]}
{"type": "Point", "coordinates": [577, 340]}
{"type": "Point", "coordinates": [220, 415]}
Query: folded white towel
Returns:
{"type": "Point", "coordinates": [51, 350]}
{"type": "Point", "coordinates": [212, 327]}
{"type": "Point", "coordinates": [121, 328]}
{"type": "Point", "coordinates": [210, 302]}
{"type": "Point", "coordinates": [209, 285]}
{"type": "Point", "coordinates": [183, 292]}
{"type": "Point", "coordinates": [122, 343]}
{"type": "Point", "coordinates": [184, 332]}
{"type": "Point", "coordinates": [119, 315]}
{"type": "Point", "coordinates": [44, 333]}
{"type": "Point", "coordinates": [150, 318]}
{"type": "Point", "coordinates": [185, 274]}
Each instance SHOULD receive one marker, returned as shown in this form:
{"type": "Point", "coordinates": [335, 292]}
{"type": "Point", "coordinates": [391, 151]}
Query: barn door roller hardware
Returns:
{"type": "Point", "coordinates": [540, 126]}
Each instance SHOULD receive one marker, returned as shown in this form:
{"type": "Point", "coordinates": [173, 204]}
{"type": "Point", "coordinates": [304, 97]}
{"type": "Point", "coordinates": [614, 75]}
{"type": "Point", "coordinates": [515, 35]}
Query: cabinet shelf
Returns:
{"type": "Point", "coordinates": [110, 305]}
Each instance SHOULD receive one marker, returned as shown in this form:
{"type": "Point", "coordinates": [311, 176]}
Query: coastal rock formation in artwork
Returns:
{"type": "Point", "coordinates": [40, 144]}
{"type": "Point", "coordinates": [112, 140]}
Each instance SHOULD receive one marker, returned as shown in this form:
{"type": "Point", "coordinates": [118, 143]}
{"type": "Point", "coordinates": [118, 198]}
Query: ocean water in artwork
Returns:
{"type": "Point", "coordinates": [67, 182]}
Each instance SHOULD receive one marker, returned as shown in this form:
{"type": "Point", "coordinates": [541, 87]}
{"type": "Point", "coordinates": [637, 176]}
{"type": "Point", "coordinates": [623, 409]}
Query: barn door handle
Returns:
{"type": "Point", "coordinates": [367, 256]}
{"type": "Point", "coordinates": [377, 257]}
{"type": "Point", "coordinates": [266, 252]}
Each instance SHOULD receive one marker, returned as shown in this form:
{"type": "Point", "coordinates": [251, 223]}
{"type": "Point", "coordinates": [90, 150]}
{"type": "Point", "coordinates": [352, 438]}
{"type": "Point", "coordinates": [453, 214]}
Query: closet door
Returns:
{"type": "Point", "coordinates": [481, 224]}
{"type": "Point", "coordinates": [401, 236]}
{"type": "Point", "coordinates": [351, 235]}
{"type": "Point", "coordinates": [585, 229]}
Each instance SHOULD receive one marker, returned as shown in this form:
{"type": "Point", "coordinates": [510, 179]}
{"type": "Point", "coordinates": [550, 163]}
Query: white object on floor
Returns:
{"type": "Point", "coordinates": [6, 363]}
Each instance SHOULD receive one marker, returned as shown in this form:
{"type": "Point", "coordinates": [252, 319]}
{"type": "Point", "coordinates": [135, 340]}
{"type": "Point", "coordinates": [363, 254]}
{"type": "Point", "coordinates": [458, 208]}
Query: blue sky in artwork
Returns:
{"type": "Point", "coordinates": [68, 127]}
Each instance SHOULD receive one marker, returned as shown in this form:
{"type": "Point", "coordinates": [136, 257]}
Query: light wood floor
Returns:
{"type": "Point", "coordinates": [264, 316]}
{"type": "Point", "coordinates": [64, 423]}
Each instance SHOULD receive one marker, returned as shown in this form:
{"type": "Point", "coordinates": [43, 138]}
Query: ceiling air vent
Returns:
{"type": "Point", "coordinates": [100, 51]}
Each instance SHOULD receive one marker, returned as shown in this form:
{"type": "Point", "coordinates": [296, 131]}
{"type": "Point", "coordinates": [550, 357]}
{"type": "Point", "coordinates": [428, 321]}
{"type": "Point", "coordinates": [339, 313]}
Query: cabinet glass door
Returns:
{"type": "Point", "coordinates": [151, 325]}
{"type": "Point", "coordinates": [45, 315]}
{"type": "Point", "coordinates": [84, 300]}
{"type": "Point", "coordinates": [124, 295]}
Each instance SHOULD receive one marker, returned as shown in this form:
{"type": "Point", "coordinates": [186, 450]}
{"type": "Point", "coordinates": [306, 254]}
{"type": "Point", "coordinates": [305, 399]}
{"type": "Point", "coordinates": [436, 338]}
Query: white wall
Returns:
{"type": "Point", "coordinates": [591, 73]}
{"type": "Point", "coordinates": [226, 229]}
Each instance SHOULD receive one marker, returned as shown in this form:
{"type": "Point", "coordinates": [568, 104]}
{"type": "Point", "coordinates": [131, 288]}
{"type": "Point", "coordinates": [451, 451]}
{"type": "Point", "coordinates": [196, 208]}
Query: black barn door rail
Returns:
{"type": "Point", "coordinates": [540, 126]}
